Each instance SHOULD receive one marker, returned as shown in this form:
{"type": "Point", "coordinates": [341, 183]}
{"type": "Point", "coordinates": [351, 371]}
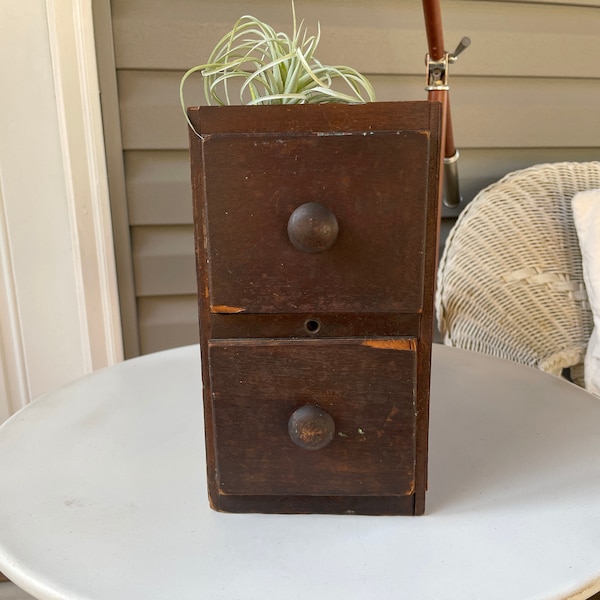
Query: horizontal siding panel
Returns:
{"type": "Point", "coordinates": [151, 115]}
{"type": "Point", "coordinates": [158, 195]}
{"type": "Point", "coordinates": [585, 3]}
{"type": "Point", "coordinates": [167, 322]}
{"type": "Point", "coordinates": [164, 260]}
{"type": "Point", "coordinates": [497, 112]}
{"type": "Point", "coordinates": [526, 112]}
{"type": "Point", "coordinates": [159, 189]}
{"type": "Point", "coordinates": [479, 168]}
{"type": "Point", "coordinates": [516, 39]}
{"type": "Point", "coordinates": [141, 31]}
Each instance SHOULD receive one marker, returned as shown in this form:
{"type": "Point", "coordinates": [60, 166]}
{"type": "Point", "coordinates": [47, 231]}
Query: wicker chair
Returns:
{"type": "Point", "coordinates": [510, 279]}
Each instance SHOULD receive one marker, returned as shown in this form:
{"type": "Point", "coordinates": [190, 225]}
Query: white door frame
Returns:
{"type": "Point", "coordinates": [59, 311]}
{"type": "Point", "coordinates": [72, 46]}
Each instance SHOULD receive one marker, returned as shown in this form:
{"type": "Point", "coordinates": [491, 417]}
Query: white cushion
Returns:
{"type": "Point", "coordinates": [586, 214]}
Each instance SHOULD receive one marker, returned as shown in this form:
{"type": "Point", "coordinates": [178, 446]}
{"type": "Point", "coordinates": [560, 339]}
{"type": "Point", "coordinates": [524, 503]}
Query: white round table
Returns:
{"type": "Point", "coordinates": [102, 497]}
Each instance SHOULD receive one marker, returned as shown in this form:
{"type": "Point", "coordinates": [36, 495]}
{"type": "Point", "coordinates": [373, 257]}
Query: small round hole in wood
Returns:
{"type": "Point", "coordinates": [312, 326]}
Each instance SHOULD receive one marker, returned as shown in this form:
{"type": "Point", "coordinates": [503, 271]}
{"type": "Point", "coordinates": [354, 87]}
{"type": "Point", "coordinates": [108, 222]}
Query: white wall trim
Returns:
{"type": "Point", "coordinates": [14, 383]}
{"type": "Point", "coordinates": [73, 56]}
{"type": "Point", "coordinates": [59, 312]}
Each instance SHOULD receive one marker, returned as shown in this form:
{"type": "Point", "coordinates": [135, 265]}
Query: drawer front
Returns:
{"type": "Point", "coordinates": [365, 386]}
{"type": "Point", "coordinates": [377, 191]}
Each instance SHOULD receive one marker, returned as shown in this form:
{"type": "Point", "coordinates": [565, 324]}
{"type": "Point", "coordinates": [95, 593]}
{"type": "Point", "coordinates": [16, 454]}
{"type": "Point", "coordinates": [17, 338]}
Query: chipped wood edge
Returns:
{"type": "Point", "coordinates": [392, 344]}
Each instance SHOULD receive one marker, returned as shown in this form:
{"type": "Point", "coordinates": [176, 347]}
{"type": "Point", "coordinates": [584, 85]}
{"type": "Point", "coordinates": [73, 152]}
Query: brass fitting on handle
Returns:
{"type": "Point", "coordinates": [437, 70]}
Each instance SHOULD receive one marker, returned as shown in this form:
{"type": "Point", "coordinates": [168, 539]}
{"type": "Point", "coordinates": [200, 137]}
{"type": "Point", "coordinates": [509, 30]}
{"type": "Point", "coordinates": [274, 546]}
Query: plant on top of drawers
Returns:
{"type": "Point", "coordinates": [270, 67]}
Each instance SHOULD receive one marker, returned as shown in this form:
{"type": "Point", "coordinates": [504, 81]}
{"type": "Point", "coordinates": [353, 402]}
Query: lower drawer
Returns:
{"type": "Point", "coordinates": [365, 386]}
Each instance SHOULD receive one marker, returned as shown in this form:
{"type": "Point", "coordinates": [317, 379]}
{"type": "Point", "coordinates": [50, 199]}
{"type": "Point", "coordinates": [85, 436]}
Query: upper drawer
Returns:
{"type": "Point", "coordinates": [379, 185]}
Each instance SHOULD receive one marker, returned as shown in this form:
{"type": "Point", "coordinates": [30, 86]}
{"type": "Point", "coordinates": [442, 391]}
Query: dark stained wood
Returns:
{"type": "Point", "coordinates": [346, 329]}
{"type": "Point", "coordinates": [282, 120]}
{"type": "Point", "coordinates": [330, 325]}
{"type": "Point", "coordinates": [425, 338]}
{"type": "Point", "coordinates": [340, 505]}
{"type": "Point", "coordinates": [367, 386]}
{"type": "Point", "coordinates": [371, 184]}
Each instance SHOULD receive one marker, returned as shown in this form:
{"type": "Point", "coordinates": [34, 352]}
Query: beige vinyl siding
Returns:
{"type": "Point", "coordinates": [527, 91]}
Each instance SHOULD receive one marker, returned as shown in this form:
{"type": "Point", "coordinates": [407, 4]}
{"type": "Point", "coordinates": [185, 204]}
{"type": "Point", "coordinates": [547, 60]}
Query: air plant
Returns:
{"type": "Point", "coordinates": [274, 68]}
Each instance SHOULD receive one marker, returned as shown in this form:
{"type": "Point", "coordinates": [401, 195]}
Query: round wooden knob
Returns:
{"type": "Point", "coordinates": [312, 228]}
{"type": "Point", "coordinates": [311, 428]}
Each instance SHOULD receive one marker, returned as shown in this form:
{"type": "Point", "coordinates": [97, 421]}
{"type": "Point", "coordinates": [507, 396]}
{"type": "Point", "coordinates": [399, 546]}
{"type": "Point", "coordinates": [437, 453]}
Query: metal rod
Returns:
{"type": "Point", "coordinates": [451, 191]}
{"type": "Point", "coordinates": [451, 194]}
{"type": "Point", "coordinates": [437, 52]}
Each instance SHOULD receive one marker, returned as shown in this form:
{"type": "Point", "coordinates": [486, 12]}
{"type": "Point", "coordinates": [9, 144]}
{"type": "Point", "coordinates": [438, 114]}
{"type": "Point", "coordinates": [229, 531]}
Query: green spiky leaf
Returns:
{"type": "Point", "coordinates": [274, 68]}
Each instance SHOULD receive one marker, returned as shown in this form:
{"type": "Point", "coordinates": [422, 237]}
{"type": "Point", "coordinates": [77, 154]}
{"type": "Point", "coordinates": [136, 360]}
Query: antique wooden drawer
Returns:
{"type": "Point", "coordinates": [373, 184]}
{"type": "Point", "coordinates": [316, 239]}
{"type": "Point", "coordinates": [266, 395]}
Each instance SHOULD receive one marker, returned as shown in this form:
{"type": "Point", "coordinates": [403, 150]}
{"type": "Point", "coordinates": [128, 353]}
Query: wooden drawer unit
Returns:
{"type": "Point", "coordinates": [316, 238]}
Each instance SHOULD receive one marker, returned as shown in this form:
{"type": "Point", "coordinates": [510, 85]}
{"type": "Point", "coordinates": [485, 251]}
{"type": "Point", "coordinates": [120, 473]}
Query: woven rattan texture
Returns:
{"type": "Point", "coordinates": [510, 280]}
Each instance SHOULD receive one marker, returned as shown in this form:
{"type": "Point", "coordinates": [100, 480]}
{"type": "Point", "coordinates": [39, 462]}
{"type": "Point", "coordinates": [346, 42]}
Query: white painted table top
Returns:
{"type": "Point", "coordinates": [102, 497]}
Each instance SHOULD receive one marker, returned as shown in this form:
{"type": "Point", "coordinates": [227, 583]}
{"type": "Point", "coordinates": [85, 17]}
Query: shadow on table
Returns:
{"type": "Point", "coordinates": [508, 433]}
